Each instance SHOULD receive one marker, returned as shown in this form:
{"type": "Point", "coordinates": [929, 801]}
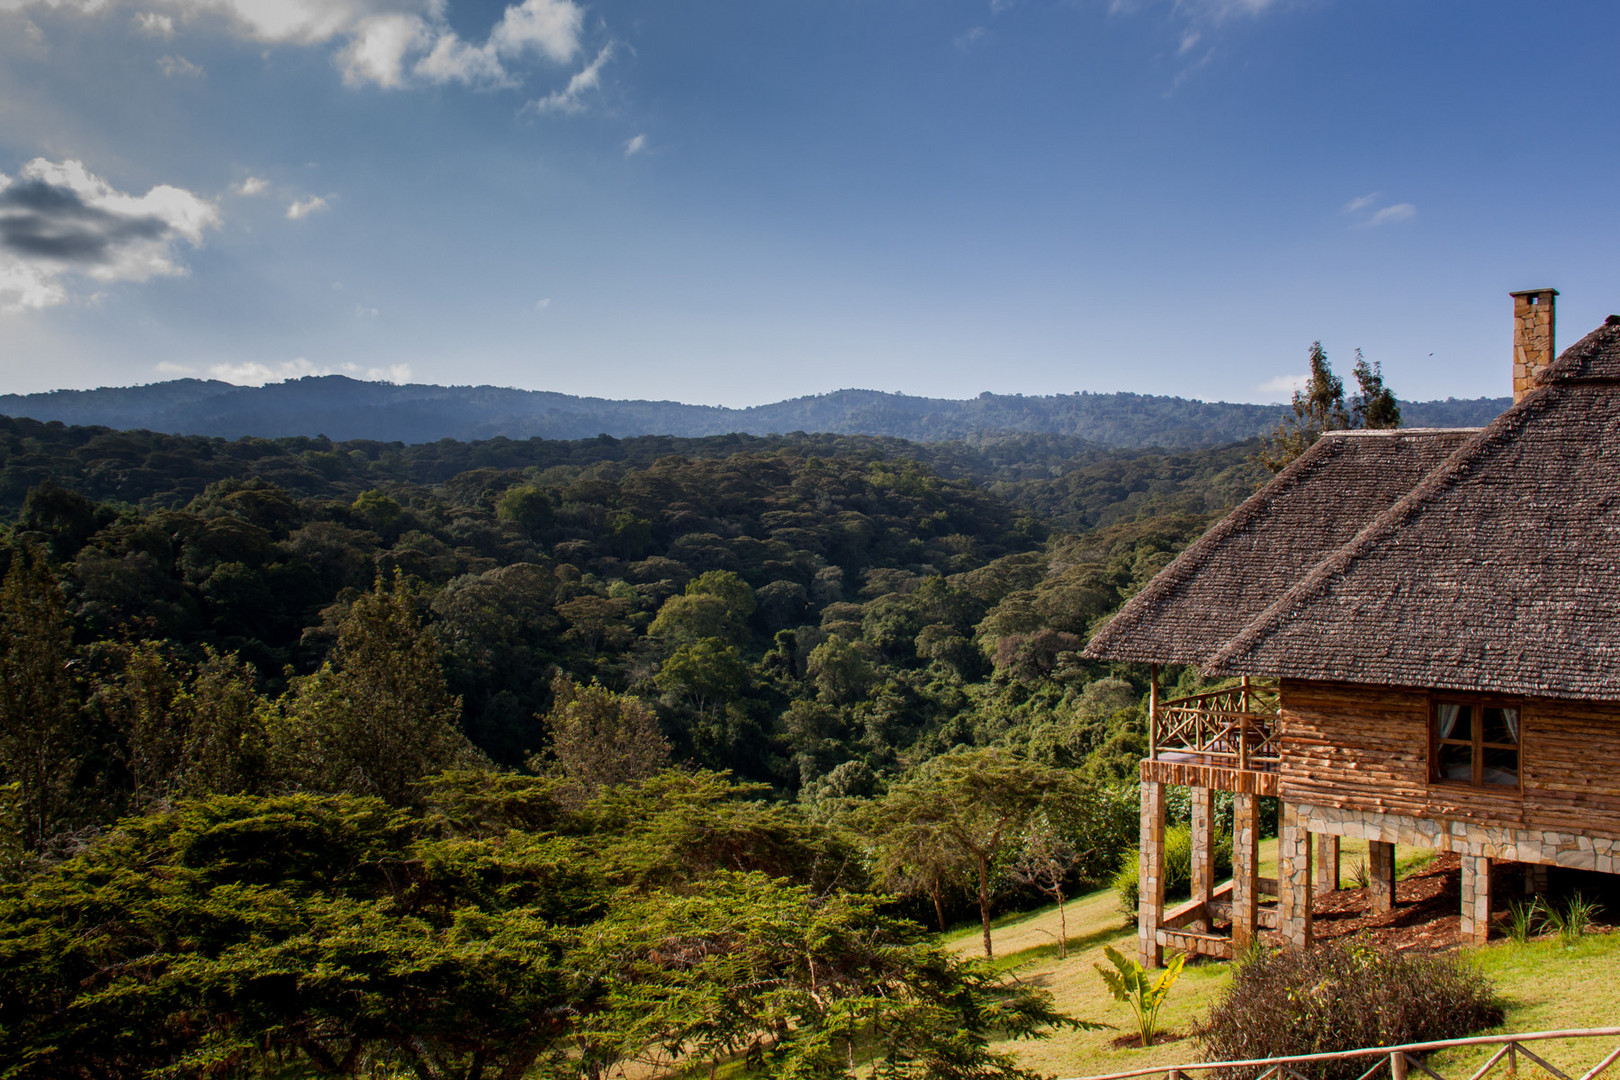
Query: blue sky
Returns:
{"type": "Point", "coordinates": [733, 203]}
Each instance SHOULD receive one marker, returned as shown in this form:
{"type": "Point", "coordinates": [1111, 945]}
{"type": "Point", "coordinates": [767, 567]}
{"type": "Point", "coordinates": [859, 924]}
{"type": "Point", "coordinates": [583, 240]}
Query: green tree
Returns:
{"type": "Point", "coordinates": [377, 717]}
{"type": "Point", "coordinates": [967, 806]}
{"type": "Point", "coordinates": [600, 738]}
{"type": "Point", "coordinates": [1373, 405]}
{"type": "Point", "coordinates": [705, 675]}
{"type": "Point", "coordinates": [1318, 407]}
{"type": "Point", "coordinates": [41, 714]}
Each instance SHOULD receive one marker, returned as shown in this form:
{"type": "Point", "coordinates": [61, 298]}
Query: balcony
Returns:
{"type": "Point", "coordinates": [1235, 727]}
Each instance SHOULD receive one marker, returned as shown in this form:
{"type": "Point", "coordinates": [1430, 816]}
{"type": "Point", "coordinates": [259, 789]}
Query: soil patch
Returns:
{"type": "Point", "coordinates": [1133, 1041]}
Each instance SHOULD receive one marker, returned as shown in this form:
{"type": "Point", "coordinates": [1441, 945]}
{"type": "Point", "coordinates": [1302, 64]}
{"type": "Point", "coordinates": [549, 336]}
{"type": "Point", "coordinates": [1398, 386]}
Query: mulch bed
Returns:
{"type": "Point", "coordinates": [1133, 1041]}
{"type": "Point", "coordinates": [1427, 914]}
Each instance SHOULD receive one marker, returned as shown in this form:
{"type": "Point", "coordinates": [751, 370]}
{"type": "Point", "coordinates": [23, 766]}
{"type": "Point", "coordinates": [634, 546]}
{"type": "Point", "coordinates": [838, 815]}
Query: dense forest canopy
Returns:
{"type": "Point", "coordinates": [586, 699]}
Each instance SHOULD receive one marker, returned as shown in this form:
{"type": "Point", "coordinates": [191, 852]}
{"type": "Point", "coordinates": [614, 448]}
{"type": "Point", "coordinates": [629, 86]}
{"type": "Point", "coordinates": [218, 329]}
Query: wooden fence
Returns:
{"type": "Point", "coordinates": [1237, 725]}
{"type": "Point", "coordinates": [1400, 1060]}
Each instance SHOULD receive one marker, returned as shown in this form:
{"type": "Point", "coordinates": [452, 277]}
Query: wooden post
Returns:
{"type": "Point", "coordinates": [1150, 877]}
{"type": "Point", "coordinates": [1153, 711]}
{"type": "Point", "coordinates": [1397, 1066]}
{"type": "Point", "coordinates": [1327, 863]}
{"type": "Point", "coordinates": [1203, 851]}
{"type": "Point", "coordinates": [1245, 870]}
{"type": "Point", "coordinates": [1380, 876]}
{"type": "Point", "coordinates": [1294, 879]}
{"type": "Point", "coordinates": [1476, 899]}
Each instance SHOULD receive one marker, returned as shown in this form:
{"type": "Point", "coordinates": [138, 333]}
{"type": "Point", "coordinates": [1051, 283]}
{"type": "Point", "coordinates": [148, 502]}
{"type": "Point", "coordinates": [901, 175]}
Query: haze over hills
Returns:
{"type": "Point", "coordinates": [345, 408]}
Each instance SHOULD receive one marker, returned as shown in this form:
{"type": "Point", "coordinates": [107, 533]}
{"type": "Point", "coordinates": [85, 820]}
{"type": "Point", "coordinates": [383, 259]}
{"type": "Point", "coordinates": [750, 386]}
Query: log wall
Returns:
{"type": "Point", "coordinates": [1366, 748]}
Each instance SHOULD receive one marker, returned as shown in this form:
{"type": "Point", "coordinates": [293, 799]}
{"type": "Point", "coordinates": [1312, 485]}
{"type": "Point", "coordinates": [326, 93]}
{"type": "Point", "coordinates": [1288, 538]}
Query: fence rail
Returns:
{"type": "Point", "coordinates": [1399, 1059]}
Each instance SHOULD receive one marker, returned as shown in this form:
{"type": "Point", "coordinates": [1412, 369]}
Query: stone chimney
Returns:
{"type": "Point", "coordinates": [1532, 338]}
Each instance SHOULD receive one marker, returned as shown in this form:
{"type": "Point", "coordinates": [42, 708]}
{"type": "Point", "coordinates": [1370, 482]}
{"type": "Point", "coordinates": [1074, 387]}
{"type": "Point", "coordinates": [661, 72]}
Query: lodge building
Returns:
{"type": "Point", "coordinates": [1423, 629]}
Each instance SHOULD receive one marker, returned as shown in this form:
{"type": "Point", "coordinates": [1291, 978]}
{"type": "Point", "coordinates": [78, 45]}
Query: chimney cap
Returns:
{"type": "Point", "coordinates": [1533, 292]}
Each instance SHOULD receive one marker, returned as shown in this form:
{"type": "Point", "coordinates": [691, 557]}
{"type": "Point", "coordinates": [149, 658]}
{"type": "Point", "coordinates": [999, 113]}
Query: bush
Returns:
{"type": "Point", "coordinates": [1342, 997]}
{"type": "Point", "coordinates": [1177, 867]}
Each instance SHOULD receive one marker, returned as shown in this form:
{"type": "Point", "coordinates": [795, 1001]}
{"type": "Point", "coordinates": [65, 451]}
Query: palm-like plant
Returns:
{"type": "Point", "coordinates": [1130, 983]}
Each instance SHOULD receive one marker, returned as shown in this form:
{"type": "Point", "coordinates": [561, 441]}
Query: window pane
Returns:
{"type": "Point", "coordinates": [1500, 725]}
{"type": "Point", "coordinates": [1452, 721]}
{"type": "Point", "coordinates": [1502, 767]}
{"type": "Point", "coordinates": [1455, 762]}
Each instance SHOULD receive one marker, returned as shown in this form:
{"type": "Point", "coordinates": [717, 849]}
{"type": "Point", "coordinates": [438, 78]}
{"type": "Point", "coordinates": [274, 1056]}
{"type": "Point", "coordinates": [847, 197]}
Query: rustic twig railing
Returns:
{"type": "Point", "coordinates": [1236, 724]}
{"type": "Point", "coordinates": [1399, 1059]}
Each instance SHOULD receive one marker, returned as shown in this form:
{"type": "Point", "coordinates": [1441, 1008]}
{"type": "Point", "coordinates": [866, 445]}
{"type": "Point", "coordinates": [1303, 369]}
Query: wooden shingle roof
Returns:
{"type": "Point", "coordinates": [1236, 570]}
{"type": "Point", "coordinates": [1499, 571]}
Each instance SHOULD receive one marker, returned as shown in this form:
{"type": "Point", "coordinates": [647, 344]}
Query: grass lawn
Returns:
{"type": "Point", "coordinates": [1545, 985]}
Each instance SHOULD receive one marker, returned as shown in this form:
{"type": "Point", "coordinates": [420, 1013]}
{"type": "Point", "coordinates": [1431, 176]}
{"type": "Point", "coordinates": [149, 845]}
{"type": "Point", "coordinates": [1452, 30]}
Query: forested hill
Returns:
{"type": "Point", "coordinates": [344, 408]}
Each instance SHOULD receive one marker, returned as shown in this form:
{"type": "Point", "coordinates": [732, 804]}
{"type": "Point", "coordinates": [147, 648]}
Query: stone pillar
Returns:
{"type": "Point", "coordinates": [1294, 879]}
{"type": "Point", "coordinates": [1380, 876]}
{"type": "Point", "coordinates": [1327, 863]}
{"type": "Point", "coordinates": [1203, 850]}
{"type": "Point", "coordinates": [1532, 338]}
{"type": "Point", "coordinates": [1476, 899]}
{"type": "Point", "coordinates": [1245, 870]}
{"type": "Point", "coordinates": [1150, 877]}
{"type": "Point", "coordinates": [1535, 879]}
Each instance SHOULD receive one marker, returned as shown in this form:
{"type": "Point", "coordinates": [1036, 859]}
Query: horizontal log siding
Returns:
{"type": "Point", "coordinates": [1351, 746]}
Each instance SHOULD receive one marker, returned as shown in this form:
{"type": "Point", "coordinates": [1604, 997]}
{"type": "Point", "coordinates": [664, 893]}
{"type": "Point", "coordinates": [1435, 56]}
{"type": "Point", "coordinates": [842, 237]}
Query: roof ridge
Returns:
{"type": "Point", "coordinates": [1573, 362]}
{"type": "Point", "coordinates": [1314, 584]}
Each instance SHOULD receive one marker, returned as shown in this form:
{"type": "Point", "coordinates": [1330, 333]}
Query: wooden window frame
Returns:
{"type": "Point", "coordinates": [1477, 744]}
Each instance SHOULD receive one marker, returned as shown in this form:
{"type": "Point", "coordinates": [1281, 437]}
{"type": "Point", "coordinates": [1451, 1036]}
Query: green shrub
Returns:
{"type": "Point", "coordinates": [1341, 997]}
{"type": "Point", "coordinates": [1177, 867]}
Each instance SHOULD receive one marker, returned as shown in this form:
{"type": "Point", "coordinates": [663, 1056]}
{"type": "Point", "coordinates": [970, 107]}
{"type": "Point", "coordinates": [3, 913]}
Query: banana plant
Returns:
{"type": "Point", "coordinates": [1130, 983]}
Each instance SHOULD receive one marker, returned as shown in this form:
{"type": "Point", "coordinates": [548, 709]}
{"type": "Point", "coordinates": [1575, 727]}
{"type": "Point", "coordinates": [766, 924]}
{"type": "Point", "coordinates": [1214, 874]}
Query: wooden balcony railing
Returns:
{"type": "Point", "coordinates": [1236, 726]}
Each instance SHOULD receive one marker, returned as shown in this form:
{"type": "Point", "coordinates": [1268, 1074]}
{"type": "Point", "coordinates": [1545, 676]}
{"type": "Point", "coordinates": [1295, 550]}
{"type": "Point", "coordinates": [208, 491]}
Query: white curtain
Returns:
{"type": "Point", "coordinates": [1448, 719]}
{"type": "Point", "coordinates": [1511, 718]}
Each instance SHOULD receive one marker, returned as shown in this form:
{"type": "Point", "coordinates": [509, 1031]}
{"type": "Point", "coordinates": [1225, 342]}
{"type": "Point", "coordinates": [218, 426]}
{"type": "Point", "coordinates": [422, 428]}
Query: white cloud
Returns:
{"type": "Point", "coordinates": [58, 220]}
{"type": "Point", "coordinates": [568, 99]}
{"type": "Point", "coordinates": [179, 65]}
{"type": "Point", "coordinates": [301, 209]}
{"type": "Point", "coordinates": [386, 43]}
{"type": "Point", "coordinates": [1282, 387]}
{"type": "Point", "coordinates": [1362, 207]}
{"type": "Point", "coordinates": [542, 305]}
{"type": "Point", "coordinates": [257, 373]}
{"type": "Point", "coordinates": [999, 6]}
{"type": "Point", "coordinates": [253, 185]}
{"type": "Point", "coordinates": [169, 367]}
{"type": "Point", "coordinates": [1188, 41]}
{"type": "Point", "coordinates": [363, 312]}
{"type": "Point", "coordinates": [377, 50]}
{"type": "Point", "coordinates": [635, 145]}
{"type": "Point", "coordinates": [550, 27]}
{"type": "Point", "coordinates": [150, 22]}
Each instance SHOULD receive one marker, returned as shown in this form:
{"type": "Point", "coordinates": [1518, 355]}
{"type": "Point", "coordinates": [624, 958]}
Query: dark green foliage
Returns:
{"type": "Point", "coordinates": [43, 740]}
{"type": "Point", "coordinates": [1342, 997]}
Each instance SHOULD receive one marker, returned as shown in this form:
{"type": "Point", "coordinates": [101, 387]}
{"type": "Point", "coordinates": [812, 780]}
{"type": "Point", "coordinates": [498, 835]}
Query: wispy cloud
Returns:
{"type": "Point", "coordinates": [150, 22]}
{"type": "Point", "coordinates": [1369, 215]}
{"type": "Point", "coordinates": [969, 38]}
{"type": "Point", "coordinates": [542, 304]}
{"type": "Point", "coordinates": [302, 208]}
{"type": "Point", "coordinates": [179, 65]}
{"type": "Point", "coordinates": [635, 145]}
{"type": "Point", "coordinates": [1398, 212]}
{"type": "Point", "coordinates": [1282, 387]}
{"type": "Point", "coordinates": [1189, 70]}
{"type": "Point", "coordinates": [253, 185]}
{"type": "Point", "coordinates": [58, 220]}
{"type": "Point", "coordinates": [570, 99]}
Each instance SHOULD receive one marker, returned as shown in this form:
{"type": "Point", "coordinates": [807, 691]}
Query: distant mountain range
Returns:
{"type": "Point", "coordinates": [344, 408]}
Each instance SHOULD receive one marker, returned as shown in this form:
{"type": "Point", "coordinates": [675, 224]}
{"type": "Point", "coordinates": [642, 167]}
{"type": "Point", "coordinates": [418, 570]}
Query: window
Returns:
{"type": "Point", "coordinates": [1475, 742]}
